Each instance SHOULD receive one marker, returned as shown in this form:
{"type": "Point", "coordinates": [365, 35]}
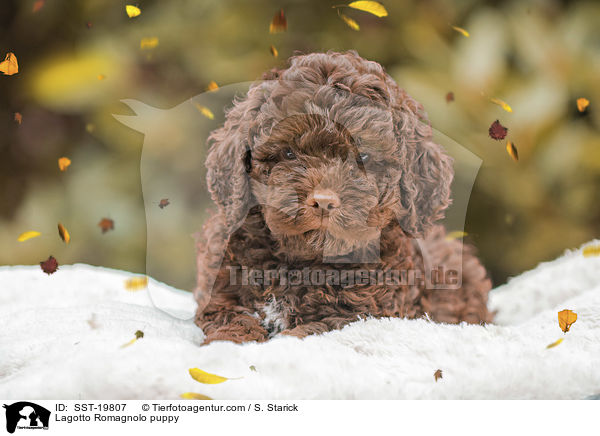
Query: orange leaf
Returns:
{"type": "Point", "coordinates": [63, 233]}
{"type": "Point", "coordinates": [63, 163]}
{"type": "Point", "coordinates": [18, 117]}
{"type": "Point", "coordinates": [279, 23]}
{"type": "Point", "coordinates": [512, 151]}
{"type": "Point", "coordinates": [106, 224]}
{"type": "Point", "coordinates": [566, 318]}
{"type": "Point", "coordinates": [582, 104]}
{"type": "Point", "coordinates": [274, 51]}
{"type": "Point", "coordinates": [212, 86]}
{"type": "Point", "coordinates": [9, 65]}
{"type": "Point", "coordinates": [39, 4]}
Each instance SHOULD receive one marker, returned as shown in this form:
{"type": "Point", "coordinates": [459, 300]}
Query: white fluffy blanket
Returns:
{"type": "Point", "coordinates": [61, 337]}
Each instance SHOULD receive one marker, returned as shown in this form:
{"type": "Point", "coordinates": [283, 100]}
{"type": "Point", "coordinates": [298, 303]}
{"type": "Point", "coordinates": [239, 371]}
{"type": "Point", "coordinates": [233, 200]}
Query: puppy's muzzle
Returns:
{"type": "Point", "coordinates": [323, 199]}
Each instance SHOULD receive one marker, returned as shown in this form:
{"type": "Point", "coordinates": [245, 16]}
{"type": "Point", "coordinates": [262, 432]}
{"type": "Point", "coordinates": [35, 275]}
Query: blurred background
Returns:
{"type": "Point", "coordinates": [79, 59]}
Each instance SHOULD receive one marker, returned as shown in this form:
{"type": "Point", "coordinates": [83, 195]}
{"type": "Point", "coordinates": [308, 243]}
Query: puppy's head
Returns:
{"type": "Point", "coordinates": [334, 151]}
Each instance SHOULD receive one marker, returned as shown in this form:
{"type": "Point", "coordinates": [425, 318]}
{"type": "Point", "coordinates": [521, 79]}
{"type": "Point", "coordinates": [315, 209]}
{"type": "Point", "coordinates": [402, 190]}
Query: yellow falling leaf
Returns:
{"type": "Point", "coordinates": [63, 163]}
{"type": "Point", "coordinates": [136, 283]}
{"type": "Point", "coordinates": [212, 86]}
{"type": "Point", "coordinates": [512, 151]}
{"type": "Point", "coordinates": [461, 31]}
{"type": "Point", "coordinates": [132, 11]}
{"type": "Point", "coordinates": [63, 233]}
{"type": "Point", "coordinates": [9, 65]}
{"type": "Point", "coordinates": [502, 104]}
{"type": "Point", "coordinates": [566, 318]}
{"type": "Point", "coordinates": [273, 51]}
{"type": "Point", "coordinates": [206, 377]}
{"type": "Point", "coordinates": [372, 7]}
{"type": "Point", "coordinates": [456, 234]}
{"type": "Point", "coordinates": [194, 396]}
{"type": "Point", "coordinates": [555, 343]}
{"type": "Point", "coordinates": [582, 104]}
{"type": "Point", "coordinates": [205, 111]}
{"type": "Point", "coordinates": [28, 235]}
{"type": "Point", "coordinates": [148, 43]}
{"type": "Point", "coordinates": [350, 22]}
{"type": "Point", "coordinates": [591, 251]}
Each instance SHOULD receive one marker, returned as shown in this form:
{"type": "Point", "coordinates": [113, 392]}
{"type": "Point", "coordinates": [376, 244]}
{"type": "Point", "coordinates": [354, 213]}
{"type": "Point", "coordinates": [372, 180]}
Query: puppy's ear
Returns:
{"type": "Point", "coordinates": [227, 160]}
{"type": "Point", "coordinates": [425, 187]}
{"type": "Point", "coordinates": [427, 171]}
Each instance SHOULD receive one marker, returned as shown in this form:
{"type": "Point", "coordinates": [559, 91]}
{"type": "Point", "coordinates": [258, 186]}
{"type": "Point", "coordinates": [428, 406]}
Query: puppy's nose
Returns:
{"type": "Point", "coordinates": [324, 199]}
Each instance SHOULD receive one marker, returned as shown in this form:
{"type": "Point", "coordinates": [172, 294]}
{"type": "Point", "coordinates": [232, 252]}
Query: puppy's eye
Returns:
{"type": "Point", "coordinates": [364, 157]}
{"type": "Point", "coordinates": [289, 154]}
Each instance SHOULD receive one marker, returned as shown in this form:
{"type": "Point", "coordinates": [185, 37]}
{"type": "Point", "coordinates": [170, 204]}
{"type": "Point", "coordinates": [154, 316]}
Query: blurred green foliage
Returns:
{"type": "Point", "coordinates": [539, 56]}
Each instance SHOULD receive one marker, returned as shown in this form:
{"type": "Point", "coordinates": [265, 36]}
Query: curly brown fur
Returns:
{"type": "Point", "coordinates": [321, 166]}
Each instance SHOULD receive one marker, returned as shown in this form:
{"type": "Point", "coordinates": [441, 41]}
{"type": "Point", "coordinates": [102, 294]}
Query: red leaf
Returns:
{"type": "Point", "coordinates": [106, 224]}
{"type": "Point", "coordinates": [497, 131]}
{"type": "Point", "coordinates": [49, 266]}
{"type": "Point", "coordinates": [449, 97]}
{"type": "Point", "coordinates": [163, 203]}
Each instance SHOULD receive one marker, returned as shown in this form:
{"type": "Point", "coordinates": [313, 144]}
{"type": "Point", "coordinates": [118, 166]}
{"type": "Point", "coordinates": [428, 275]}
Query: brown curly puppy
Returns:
{"type": "Point", "coordinates": [328, 186]}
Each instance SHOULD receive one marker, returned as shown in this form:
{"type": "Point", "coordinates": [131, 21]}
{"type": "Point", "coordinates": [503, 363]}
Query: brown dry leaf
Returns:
{"type": "Point", "coordinates": [450, 97]}
{"type": "Point", "coordinates": [278, 23]}
{"type": "Point", "coordinates": [92, 322]}
{"type": "Point", "coordinates": [512, 151]}
{"type": "Point", "coordinates": [371, 7]}
{"type": "Point", "coordinates": [591, 251]}
{"type": "Point", "coordinates": [194, 396]}
{"type": "Point", "coordinates": [63, 163]}
{"type": "Point", "coordinates": [437, 375]}
{"type": "Point", "coordinates": [566, 318]}
{"type": "Point", "coordinates": [461, 31]}
{"type": "Point", "coordinates": [63, 233]}
{"type": "Point", "coordinates": [582, 104]}
{"type": "Point", "coordinates": [106, 224]}
{"type": "Point", "coordinates": [350, 22]}
{"type": "Point", "coordinates": [138, 335]}
{"type": "Point", "coordinates": [212, 86]}
{"type": "Point", "coordinates": [555, 343]}
{"type": "Point", "coordinates": [163, 203]}
{"type": "Point", "coordinates": [18, 118]}
{"type": "Point", "coordinates": [50, 265]}
{"type": "Point", "coordinates": [132, 11]}
{"type": "Point", "coordinates": [9, 65]}
{"type": "Point", "coordinates": [273, 51]}
{"type": "Point", "coordinates": [502, 104]}
{"type": "Point", "coordinates": [148, 43]}
{"type": "Point", "coordinates": [136, 283]}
